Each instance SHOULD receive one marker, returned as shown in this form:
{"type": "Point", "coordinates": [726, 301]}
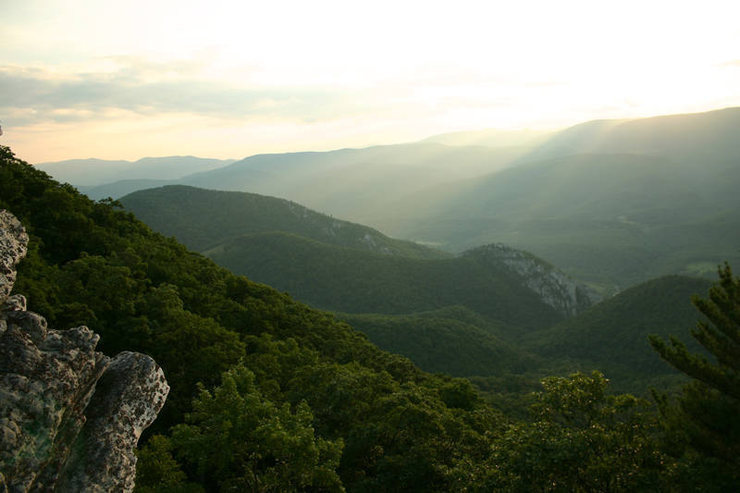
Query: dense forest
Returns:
{"type": "Point", "coordinates": [495, 313]}
{"type": "Point", "coordinates": [269, 394]}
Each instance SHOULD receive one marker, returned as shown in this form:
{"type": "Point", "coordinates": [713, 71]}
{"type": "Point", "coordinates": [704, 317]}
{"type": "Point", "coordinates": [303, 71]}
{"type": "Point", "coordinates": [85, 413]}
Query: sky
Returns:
{"type": "Point", "coordinates": [228, 79]}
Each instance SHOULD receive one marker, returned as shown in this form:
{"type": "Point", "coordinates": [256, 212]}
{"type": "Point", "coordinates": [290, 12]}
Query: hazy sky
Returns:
{"type": "Point", "coordinates": [127, 79]}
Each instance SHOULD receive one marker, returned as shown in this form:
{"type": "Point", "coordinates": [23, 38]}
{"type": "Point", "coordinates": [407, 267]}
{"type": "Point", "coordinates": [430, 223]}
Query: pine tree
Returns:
{"type": "Point", "coordinates": [708, 415]}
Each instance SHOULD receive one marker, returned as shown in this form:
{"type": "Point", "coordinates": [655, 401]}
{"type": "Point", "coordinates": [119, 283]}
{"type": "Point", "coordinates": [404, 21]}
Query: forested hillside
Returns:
{"type": "Point", "coordinates": [488, 312]}
{"type": "Point", "coordinates": [611, 219]}
{"type": "Point", "coordinates": [350, 268]}
{"type": "Point", "coordinates": [612, 336]}
{"type": "Point", "coordinates": [205, 219]}
{"type": "Point", "coordinates": [611, 202]}
{"type": "Point", "coordinates": [291, 399]}
{"type": "Point", "coordinates": [452, 340]}
{"type": "Point", "coordinates": [352, 414]}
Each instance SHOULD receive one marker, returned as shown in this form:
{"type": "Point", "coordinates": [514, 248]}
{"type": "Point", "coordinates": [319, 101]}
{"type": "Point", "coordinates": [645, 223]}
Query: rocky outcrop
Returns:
{"type": "Point", "coordinates": [13, 241]}
{"type": "Point", "coordinates": [70, 417]}
{"type": "Point", "coordinates": [553, 287]}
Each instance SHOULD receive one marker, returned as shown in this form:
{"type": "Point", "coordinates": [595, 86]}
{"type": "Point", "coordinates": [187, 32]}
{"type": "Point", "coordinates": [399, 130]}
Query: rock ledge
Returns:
{"type": "Point", "coordinates": [70, 417]}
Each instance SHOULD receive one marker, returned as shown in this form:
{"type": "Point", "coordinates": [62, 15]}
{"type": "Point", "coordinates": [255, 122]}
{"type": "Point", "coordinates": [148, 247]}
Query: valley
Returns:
{"type": "Point", "coordinates": [612, 203]}
{"type": "Point", "coordinates": [534, 266]}
{"type": "Point", "coordinates": [370, 247]}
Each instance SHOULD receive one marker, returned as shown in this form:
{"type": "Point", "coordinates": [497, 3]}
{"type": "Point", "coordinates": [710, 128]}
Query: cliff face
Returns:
{"type": "Point", "coordinates": [70, 417]}
{"type": "Point", "coordinates": [551, 285]}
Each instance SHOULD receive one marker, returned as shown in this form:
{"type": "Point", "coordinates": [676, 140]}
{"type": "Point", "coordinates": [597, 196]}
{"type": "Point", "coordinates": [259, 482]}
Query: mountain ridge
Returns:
{"type": "Point", "coordinates": [202, 219]}
{"type": "Point", "coordinates": [508, 291]}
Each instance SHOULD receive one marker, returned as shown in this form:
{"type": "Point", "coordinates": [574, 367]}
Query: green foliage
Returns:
{"type": "Point", "coordinates": [580, 439]}
{"type": "Point", "coordinates": [706, 417]}
{"type": "Point", "coordinates": [439, 341]}
{"type": "Point", "coordinates": [612, 336]}
{"type": "Point", "coordinates": [236, 439]}
{"type": "Point", "coordinates": [334, 264]}
{"type": "Point", "coordinates": [291, 399]}
{"type": "Point", "coordinates": [309, 382]}
{"type": "Point", "coordinates": [353, 281]}
{"type": "Point", "coordinates": [157, 470]}
{"type": "Point", "coordinates": [364, 408]}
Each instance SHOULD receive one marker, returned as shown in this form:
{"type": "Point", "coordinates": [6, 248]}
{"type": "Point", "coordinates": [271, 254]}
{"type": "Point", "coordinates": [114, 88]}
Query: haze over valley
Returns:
{"type": "Point", "coordinates": [612, 203]}
{"type": "Point", "coordinates": [370, 247]}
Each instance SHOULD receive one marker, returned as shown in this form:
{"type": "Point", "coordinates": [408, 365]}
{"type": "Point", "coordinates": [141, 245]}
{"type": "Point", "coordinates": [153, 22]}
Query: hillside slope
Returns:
{"type": "Point", "coordinates": [349, 280]}
{"type": "Point", "coordinates": [347, 267]}
{"type": "Point", "coordinates": [611, 219]}
{"type": "Point", "coordinates": [444, 341]}
{"type": "Point", "coordinates": [203, 219]}
{"type": "Point", "coordinates": [317, 388]}
{"type": "Point", "coordinates": [613, 335]}
{"type": "Point", "coordinates": [352, 183]}
{"type": "Point", "coordinates": [691, 137]}
{"type": "Point", "coordinates": [350, 268]}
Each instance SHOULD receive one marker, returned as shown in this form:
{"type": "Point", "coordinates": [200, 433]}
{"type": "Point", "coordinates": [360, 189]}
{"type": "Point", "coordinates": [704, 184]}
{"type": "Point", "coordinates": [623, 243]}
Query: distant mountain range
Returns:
{"type": "Point", "coordinates": [348, 267]}
{"type": "Point", "coordinates": [479, 299]}
{"type": "Point", "coordinates": [89, 173]}
{"type": "Point", "coordinates": [490, 311]}
{"type": "Point", "coordinates": [612, 202]}
{"type": "Point", "coordinates": [493, 138]}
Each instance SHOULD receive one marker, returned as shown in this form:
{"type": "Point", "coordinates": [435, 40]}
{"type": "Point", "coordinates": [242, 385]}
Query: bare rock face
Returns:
{"type": "Point", "coordinates": [551, 285]}
{"type": "Point", "coordinates": [70, 417]}
{"type": "Point", "coordinates": [13, 241]}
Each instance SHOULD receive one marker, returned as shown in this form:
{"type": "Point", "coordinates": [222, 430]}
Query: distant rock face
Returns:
{"type": "Point", "coordinates": [70, 417]}
{"type": "Point", "coordinates": [551, 285]}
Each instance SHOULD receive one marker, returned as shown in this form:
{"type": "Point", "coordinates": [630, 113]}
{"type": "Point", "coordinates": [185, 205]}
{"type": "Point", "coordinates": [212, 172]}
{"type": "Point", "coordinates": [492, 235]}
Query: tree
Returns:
{"type": "Point", "coordinates": [706, 418]}
{"type": "Point", "coordinates": [580, 439]}
{"type": "Point", "coordinates": [237, 440]}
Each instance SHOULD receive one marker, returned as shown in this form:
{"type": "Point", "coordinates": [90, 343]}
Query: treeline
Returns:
{"type": "Point", "coordinates": [271, 395]}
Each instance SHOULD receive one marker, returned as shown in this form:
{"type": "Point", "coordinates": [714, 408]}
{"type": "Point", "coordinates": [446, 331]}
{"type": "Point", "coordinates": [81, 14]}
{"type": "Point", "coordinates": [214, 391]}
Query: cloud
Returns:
{"type": "Point", "coordinates": [35, 95]}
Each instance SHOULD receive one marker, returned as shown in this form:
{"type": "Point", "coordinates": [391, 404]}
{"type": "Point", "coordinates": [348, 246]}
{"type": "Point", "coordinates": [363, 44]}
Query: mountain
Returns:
{"type": "Point", "coordinates": [120, 188]}
{"type": "Point", "coordinates": [692, 137]}
{"type": "Point", "coordinates": [349, 280]}
{"type": "Point", "coordinates": [306, 390]}
{"type": "Point", "coordinates": [268, 393]}
{"type": "Point", "coordinates": [94, 172]}
{"type": "Point", "coordinates": [613, 335]}
{"type": "Point", "coordinates": [354, 182]}
{"type": "Point", "coordinates": [650, 206]}
{"type": "Point", "coordinates": [347, 267]}
{"type": "Point", "coordinates": [446, 313]}
{"type": "Point", "coordinates": [205, 219]}
{"type": "Point", "coordinates": [492, 138]}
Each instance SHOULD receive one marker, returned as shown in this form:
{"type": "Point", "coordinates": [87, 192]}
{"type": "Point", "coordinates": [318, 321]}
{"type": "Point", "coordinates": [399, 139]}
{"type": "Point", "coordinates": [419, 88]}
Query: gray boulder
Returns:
{"type": "Point", "coordinates": [70, 417]}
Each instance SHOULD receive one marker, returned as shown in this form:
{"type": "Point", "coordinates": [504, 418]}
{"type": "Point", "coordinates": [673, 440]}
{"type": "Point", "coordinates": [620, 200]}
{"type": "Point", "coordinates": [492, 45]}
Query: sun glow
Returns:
{"type": "Point", "coordinates": [254, 76]}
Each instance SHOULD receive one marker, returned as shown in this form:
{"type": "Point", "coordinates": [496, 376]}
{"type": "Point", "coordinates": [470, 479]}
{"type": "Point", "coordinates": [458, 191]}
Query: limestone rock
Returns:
{"type": "Point", "coordinates": [552, 286]}
{"type": "Point", "coordinates": [127, 398]}
{"type": "Point", "coordinates": [70, 417]}
{"type": "Point", "coordinates": [13, 242]}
